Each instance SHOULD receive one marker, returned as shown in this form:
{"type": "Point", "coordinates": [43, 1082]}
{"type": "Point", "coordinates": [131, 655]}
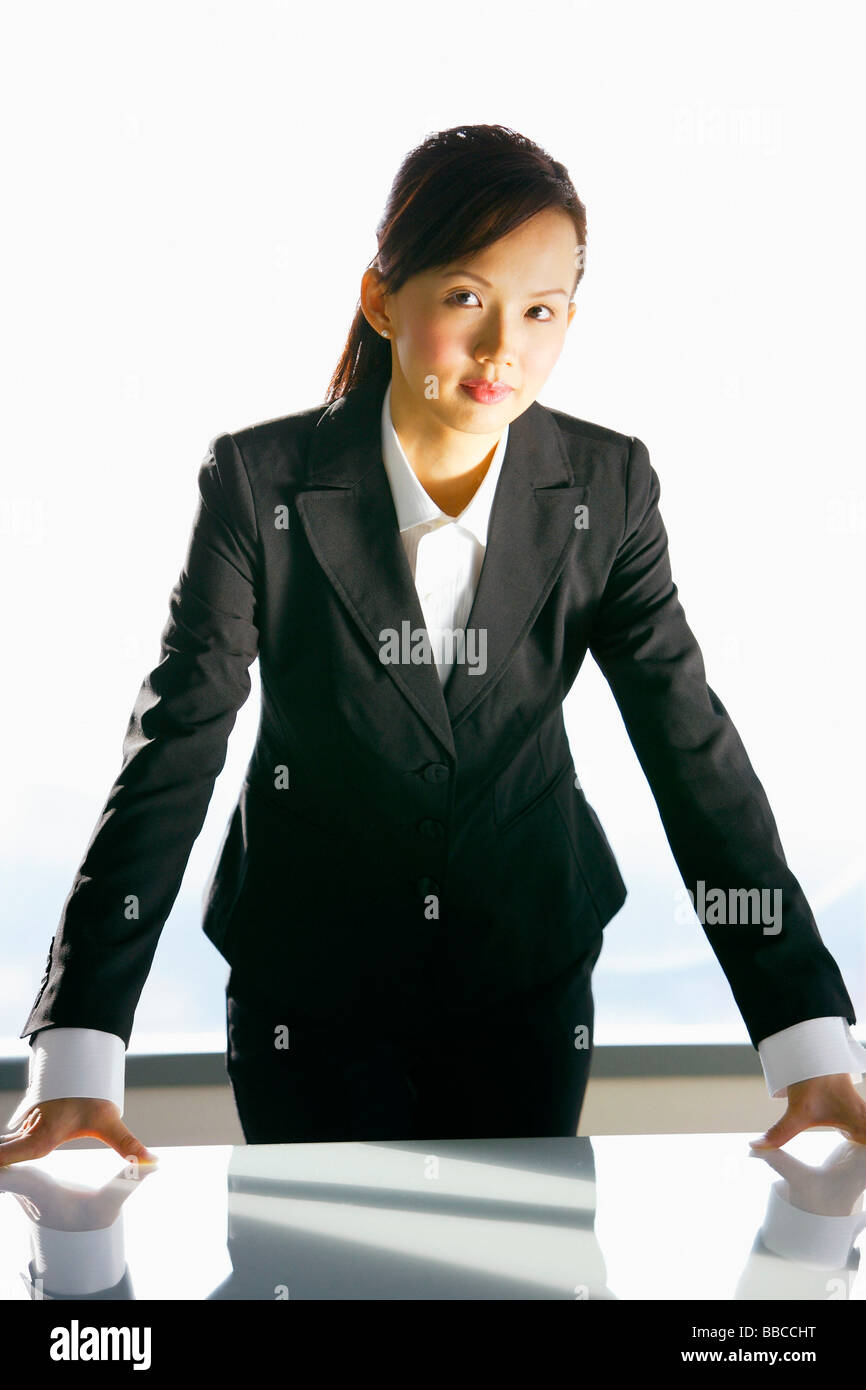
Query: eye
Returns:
{"type": "Point", "coordinates": [452, 299]}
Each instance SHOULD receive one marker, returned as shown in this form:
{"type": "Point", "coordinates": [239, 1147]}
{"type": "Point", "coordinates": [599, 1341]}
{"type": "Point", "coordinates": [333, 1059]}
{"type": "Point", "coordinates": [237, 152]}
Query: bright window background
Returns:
{"type": "Point", "coordinates": [192, 193]}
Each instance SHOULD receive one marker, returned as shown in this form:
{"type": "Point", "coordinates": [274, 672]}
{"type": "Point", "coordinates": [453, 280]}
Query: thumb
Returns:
{"type": "Point", "coordinates": [124, 1142]}
{"type": "Point", "coordinates": [779, 1133]}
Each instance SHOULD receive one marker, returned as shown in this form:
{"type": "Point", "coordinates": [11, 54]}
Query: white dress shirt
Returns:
{"type": "Point", "coordinates": [445, 555]}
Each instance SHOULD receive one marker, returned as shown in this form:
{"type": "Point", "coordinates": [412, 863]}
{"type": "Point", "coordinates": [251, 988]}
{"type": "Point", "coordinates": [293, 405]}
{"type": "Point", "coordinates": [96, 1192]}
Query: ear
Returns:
{"type": "Point", "coordinates": [572, 310]}
{"type": "Point", "coordinates": [373, 299]}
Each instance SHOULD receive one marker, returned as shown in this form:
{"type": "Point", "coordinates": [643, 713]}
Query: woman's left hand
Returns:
{"type": "Point", "coordinates": [820, 1100]}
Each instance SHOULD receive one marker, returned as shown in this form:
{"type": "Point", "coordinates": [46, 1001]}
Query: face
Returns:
{"type": "Point", "coordinates": [496, 318]}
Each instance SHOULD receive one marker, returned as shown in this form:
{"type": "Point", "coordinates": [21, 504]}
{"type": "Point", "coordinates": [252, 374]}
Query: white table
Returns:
{"type": "Point", "coordinates": [661, 1217]}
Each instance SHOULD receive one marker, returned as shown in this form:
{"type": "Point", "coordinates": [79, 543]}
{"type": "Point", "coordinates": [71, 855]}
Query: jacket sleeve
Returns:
{"type": "Point", "coordinates": [173, 750]}
{"type": "Point", "coordinates": [713, 808]}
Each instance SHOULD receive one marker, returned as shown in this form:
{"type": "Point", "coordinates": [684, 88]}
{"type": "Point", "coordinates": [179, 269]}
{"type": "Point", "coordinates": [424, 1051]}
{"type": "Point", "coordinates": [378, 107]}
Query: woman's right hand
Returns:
{"type": "Point", "coordinates": [51, 1122]}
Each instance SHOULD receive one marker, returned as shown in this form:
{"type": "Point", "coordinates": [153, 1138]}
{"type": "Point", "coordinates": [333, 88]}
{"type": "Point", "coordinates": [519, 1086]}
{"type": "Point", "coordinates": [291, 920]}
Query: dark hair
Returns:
{"type": "Point", "coordinates": [454, 194]}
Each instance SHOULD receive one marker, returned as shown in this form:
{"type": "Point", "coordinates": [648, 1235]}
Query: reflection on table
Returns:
{"type": "Point", "coordinates": [631, 1217]}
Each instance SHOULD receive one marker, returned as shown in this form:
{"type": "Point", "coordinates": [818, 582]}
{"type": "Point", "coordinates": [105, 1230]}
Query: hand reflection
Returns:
{"type": "Point", "coordinates": [829, 1190]}
{"type": "Point", "coordinates": [64, 1207]}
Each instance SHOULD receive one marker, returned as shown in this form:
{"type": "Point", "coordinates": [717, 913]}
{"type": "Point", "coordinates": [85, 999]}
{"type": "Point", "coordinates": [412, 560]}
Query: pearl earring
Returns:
{"type": "Point", "coordinates": [385, 333]}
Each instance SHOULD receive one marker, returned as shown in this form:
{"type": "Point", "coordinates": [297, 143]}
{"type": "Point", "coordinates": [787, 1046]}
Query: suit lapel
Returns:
{"type": "Point", "coordinates": [531, 526]}
{"type": "Point", "coordinates": [348, 514]}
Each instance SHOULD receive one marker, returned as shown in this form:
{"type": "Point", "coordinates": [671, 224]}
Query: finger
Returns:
{"type": "Point", "coordinates": [783, 1163]}
{"type": "Point", "coordinates": [853, 1128]}
{"type": "Point", "coordinates": [31, 1146]}
{"type": "Point", "coordinates": [124, 1142]}
{"type": "Point", "coordinates": [19, 1124]}
{"type": "Point", "coordinates": [784, 1129]}
{"type": "Point", "coordinates": [23, 1132]}
{"type": "Point", "coordinates": [855, 1122]}
{"type": "Point", "coordinates": [20, 1131]}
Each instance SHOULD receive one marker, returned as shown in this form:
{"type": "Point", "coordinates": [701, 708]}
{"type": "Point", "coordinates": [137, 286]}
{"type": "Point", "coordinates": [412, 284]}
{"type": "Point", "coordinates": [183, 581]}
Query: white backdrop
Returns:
{"type": "Point", "coordinates": [192, 192]}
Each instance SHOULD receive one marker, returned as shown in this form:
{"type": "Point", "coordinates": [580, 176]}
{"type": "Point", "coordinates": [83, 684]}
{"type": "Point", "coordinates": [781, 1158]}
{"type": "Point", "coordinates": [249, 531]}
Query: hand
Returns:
{"type": "Point", "coordinates": [51, 1122]}
{"type": "Point", "coordinates": [820, 1100]}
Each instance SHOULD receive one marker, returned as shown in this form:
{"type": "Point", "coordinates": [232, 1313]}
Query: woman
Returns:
{"type": "Point", "coordinates": [412, 889]}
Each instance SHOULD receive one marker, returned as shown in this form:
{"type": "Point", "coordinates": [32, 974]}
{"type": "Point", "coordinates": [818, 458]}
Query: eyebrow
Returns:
{"type": "Point", "coordinates": [468, 274]}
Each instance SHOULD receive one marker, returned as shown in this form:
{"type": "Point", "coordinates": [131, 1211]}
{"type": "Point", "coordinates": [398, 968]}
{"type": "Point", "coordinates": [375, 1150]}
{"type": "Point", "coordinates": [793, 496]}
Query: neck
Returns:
{"type": "Point", "coordinates": [438, 454]}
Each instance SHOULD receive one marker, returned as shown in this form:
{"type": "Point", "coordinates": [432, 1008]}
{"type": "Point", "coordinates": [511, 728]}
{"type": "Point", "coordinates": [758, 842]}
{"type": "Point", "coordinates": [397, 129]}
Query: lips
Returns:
{"type": "Point", "coordinates": [486, 392]}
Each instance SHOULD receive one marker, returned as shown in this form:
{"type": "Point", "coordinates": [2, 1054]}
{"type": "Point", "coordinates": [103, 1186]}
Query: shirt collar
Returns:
{"type": "Point", "coordinates": [413, 505]}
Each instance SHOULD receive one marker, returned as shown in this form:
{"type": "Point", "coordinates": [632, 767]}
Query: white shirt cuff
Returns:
{"type": "Point", "coordinates": [806, 1236]}
{"type": "Point", "coordinates": [815, 1047]}
{"type": "Point", "coordinates": [73, 1062]}
{"type": "Point", "coordinates": [79, 1262]}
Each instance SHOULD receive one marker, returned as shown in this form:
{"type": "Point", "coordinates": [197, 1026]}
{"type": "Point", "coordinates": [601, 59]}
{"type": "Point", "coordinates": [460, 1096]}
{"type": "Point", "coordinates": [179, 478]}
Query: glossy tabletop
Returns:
{"type": "Point", "coordinates": [662, 1217]}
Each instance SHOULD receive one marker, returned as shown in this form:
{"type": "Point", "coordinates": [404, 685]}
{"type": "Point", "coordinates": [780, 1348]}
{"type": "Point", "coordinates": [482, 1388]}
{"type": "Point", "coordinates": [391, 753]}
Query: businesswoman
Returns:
{"type": "Point", "coordinates": [412, 889]}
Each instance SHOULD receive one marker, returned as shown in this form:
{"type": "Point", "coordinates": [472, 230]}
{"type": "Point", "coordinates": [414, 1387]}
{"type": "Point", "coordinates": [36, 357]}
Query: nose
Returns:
{"type": "Point", "coordinates": [494, 345]}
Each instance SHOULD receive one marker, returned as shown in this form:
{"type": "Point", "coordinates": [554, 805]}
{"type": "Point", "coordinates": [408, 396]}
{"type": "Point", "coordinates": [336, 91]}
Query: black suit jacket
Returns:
{"type": "Point", "coordinates": [419, 825]}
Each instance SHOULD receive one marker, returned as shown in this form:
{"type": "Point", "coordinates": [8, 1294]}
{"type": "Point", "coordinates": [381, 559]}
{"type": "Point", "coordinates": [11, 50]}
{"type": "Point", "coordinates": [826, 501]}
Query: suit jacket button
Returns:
{"type": "Point", "coordinates": [436, 772]}
{"type": "Point", "coordinates": [432, 829]}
